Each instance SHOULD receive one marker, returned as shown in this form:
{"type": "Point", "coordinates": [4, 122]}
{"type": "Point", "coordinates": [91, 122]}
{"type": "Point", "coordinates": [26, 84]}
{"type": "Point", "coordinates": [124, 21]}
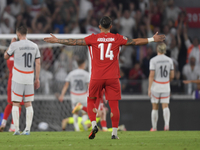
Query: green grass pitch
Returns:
{"type": "Point", "coordinates": [130, 140]}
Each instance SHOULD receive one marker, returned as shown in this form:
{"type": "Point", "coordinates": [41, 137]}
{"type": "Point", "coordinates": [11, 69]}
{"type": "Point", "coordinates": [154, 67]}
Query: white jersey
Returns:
{"type": "Point", "coordinates": [78, 80]}
{"type": "Point", "coordinates": [162, 66]}
{"type": "Point", "coordinates": [25, 52]}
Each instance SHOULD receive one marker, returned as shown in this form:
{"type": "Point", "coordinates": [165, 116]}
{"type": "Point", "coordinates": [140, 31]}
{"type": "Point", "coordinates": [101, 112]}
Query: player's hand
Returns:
{"type": "Point", "coordinates": [37, 84]}
{"type": "Point", "coordinates": [51, 39]}
{"type": "Point", "coordinates": [149, 93]}
{"type": "Point", "coordinates": [13, 40]}
{"type": "Point", "coordinates": [61, 98]}
{"type": "Point", "coordinates": [186, 81]}
{"type": "Point", "coordinates": [159, 38]}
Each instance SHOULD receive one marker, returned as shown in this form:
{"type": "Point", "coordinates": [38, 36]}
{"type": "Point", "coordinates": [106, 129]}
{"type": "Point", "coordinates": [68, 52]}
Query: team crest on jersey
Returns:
{"type": "Point", "coordinates": [125, 38]}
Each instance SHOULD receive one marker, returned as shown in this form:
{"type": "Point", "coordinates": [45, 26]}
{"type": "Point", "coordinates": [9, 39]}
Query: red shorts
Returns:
{"type": "Point", "coordinates": [112, 88]}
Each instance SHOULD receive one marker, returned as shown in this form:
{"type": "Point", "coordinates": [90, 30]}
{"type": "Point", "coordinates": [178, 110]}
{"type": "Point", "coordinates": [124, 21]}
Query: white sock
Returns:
{"type": "Point", "coordinates": [94, 123]}
{"type": "Point", "coordinates": [154, 118]}
{"type": "Point", "coordinates": [75, 116]}
{"type": "Point", "coordinates": [29, 117]}
{"type": "Point", "coordinates": [114, 132]}
{"type": "Point", "coordinates": [84, 118]}
{"type": "Point", "coordinates": [166, 115]}
{"type": "Point", "coordinates": [15, 116]}
{"type": "Point", "coordinates": [12, 126]}
{"type": "Point", "coordinates": [4, 122]}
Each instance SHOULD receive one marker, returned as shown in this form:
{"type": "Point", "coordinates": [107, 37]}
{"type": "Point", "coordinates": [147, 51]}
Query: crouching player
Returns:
{"type": "Point", "coordinates": [161, 73]}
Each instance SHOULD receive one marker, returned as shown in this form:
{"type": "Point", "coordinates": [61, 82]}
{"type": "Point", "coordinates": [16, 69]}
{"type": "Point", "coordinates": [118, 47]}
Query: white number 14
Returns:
{"type": "Point", "coordinates": [109, 53]}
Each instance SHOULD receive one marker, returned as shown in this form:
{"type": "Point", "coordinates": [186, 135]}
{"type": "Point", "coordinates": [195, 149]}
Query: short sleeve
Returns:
{"type": "Point", "coordinates": [37, 55]}
{"type": "Point", "coordinates": [11, 49]}
{"type": "Point", "coordinates": [122, 40]}
{"type": "Point", "coordinates": [68, 77]}
{"type": "Point", "coordinates": [89, 39]}
{"type": "Point", "coordinates": [151, 65]}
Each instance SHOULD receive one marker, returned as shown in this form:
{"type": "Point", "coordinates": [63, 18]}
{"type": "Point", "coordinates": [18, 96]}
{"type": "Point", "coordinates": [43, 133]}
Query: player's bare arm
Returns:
{"type": "Point", "coordinates": [151, 78]}
{"type": "Point", "coordinates": [37, 73]}
{"type": "Point", "coordinates": [6, 56]}
{"type": "Point", "coordinates": [53, 39]}
{"type": "Point", "coordinates": [61, 97]}
{"type": "Point", "coordinates": [143, 41]}
{"type": "Point", "coordinates": [171, 75]}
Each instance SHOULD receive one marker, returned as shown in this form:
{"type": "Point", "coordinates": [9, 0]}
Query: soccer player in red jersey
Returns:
{"type": "Point", "coordinates": [104, 50]}
{"type": "Point", "coordinates": [8, 109]}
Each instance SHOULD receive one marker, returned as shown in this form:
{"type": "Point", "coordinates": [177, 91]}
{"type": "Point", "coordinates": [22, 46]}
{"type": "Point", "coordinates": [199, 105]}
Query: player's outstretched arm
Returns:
{"type": "Point", "coordinates": [143, 41]}
{"type": "Point", "coordinates": [53, 39]}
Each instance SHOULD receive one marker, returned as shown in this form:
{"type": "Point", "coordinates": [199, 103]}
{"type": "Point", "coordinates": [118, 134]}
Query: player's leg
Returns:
{"type": "Point", "coordinates": [28, 99]}
{"type": "Point", "coordinates": [7, 112]}
{"type": "Point", "coordinates": [166, 112]}
{"type": "Point", "coordinates": [154, 113]}
{"type": "Point", "coordinates": [74, 101]}
{"type": "Point", "coordinates": [102, 114]}
{"type": "Point", "coordinates": [113, 94]}
{"type": "Point", "coordinates": [12, 126]}
{"type": "Point", "coordinates": [17, 94]}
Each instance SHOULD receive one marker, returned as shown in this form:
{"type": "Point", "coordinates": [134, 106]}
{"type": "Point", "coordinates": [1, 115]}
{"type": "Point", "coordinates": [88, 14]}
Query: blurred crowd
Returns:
{"type": "Point", "coordinates": [131, 18]}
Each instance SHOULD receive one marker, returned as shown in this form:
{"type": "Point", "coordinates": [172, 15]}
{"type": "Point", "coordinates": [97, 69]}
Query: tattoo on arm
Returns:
{"type": "Point", "coordinates": [130, 42]}
{"type": "Point", "coordinates": [80, 42]}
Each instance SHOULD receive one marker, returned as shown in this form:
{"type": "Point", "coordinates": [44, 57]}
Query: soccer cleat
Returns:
{"type": "Point", "coordinates": [114, 137]}
{"type": "Point", "coordinates": [25, 132]}
{"type": "Point", "coordinates": [166, 128]}
{"type": "Point", "coordinates": [152, 130]}
{"type": "Point", "coordinates": [16, 133]}
{"type": "Point", "coordinates": [93, 132]}
{"type": "Point", "coordinates": [11, 130]}
{"type": "Point", "coordinates": [122, 127]}
{"type": "Point", "coordinates": [77, 108]}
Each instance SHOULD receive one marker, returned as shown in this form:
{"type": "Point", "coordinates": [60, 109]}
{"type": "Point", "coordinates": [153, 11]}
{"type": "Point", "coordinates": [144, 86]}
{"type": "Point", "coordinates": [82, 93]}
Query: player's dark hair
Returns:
{"type": "Point", "coordinates": [80, 61]}
{"type": "Point", "coordinates": [105, 22]}
{"type": "Point", "coordinates": [22, 30]}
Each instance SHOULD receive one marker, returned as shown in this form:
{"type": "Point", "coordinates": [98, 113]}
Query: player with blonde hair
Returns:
{"type": "Point", "coordinates": [161, 73]}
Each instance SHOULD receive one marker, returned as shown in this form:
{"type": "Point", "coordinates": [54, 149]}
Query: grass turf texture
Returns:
{"type": "Point", "coordinates": [137, 140]}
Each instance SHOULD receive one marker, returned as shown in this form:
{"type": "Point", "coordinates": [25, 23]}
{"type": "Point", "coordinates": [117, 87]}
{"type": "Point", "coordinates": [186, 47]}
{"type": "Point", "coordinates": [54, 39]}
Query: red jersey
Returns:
{"type": "Point", "coordinates": [104, 51]}
{"type": "Point", "coordinates": [10, 64]}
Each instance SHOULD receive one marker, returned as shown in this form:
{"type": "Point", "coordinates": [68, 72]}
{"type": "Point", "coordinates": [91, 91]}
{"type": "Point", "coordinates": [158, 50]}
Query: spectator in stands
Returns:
{"type": "Point", "coordinates": [135, 76]}
{"type": "Point", "coordinates": [168, 36]}
{"type": "Point", "coordinates": [5, 26]}
{"type": "Point", "coordinates": [143, 4]}
{"type": "Point", "coordinates": [16, 7]}
{"type": "Point", "coordinates": [85, 8]}
{"type": "Point", "coordinates": [126, 24]}
{"type": "Point", "coordinates": [191, 71]}
{"type": "Point", "coordinates": [156, 17]}
{"type": "Point", "coordinates": [58, 25]}
{"type": "Point", "coordinates": [92, 26]}
{"type": "Point", "coordinates": [2, 6]}
{"type": "Point", "coordinates": [174, 47]}
{"type": "Point", "coordinates": [36, 6]}
{"type": "Point", "coordinates": [193, 49]}
{"type": "Point", "coordinates": [171, 11]}
{"type": "Point", "coordinates": [132, 10]}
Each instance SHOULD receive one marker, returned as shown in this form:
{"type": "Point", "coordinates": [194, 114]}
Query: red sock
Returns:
{"type": "Point", "coordinates": [103, 123]}
{"type": "Point", "coordinates": [114, 106]}
{"type": "Point", "coordinates": [90, 107]}
{"type": "Point", "coordinates": [20, 109]}
{"type": "Point", "coordinates": [84, 108]}
{"type": "Point", "coordinates": [7, 111]}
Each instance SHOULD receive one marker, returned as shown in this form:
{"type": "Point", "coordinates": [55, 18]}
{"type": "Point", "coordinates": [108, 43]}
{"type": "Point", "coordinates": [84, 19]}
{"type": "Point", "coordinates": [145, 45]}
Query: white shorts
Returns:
{"type": "Point", "coordinates": [162, 97]}
{"type": "Point", "coordinates": [22, 90]}
{"type": "Point", "coordinates": [79, 99]}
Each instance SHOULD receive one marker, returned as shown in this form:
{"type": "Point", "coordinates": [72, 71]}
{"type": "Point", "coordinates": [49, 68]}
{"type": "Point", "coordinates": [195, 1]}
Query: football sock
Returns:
{"type": "Point", "coordinates": [15, 116]}
{"type": "Point", "coordinates": [90, 110]}
{"type": "Point", "coordinates": [84, 118]}
{"type": "Point", "coordinates": [154, 118]}
{"type": "Point", "coordinates": [20, 109]}
{"type": "Point", "coordinates": [29, 117]}
{"type": "Point", "coordinates": [75, 116]}
{"type": "Point", "coordinates": [12, 126]}
{"type": "Point", "coordinates": [115, 115]}
{"type": "Point", "coordinates": [104, 124]}
{"type": "Point", "coordinates": [7, 111]}
{"type": "Point", "coordinates": [166, 115]}
{"type": "Point", "coordinates": [84, 108]}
